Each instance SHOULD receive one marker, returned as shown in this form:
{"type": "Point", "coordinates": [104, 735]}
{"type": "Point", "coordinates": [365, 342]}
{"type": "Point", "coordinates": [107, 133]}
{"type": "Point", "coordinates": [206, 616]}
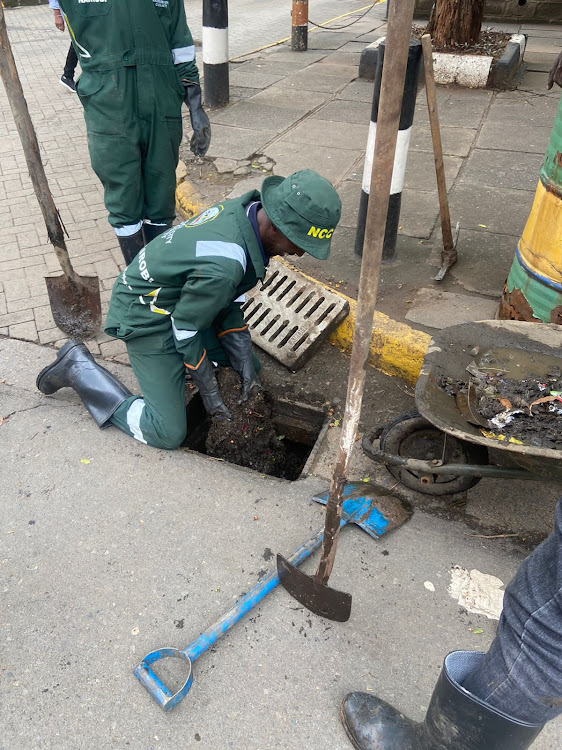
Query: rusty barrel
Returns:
{"type": "Point", "coordinates": [533, 290]}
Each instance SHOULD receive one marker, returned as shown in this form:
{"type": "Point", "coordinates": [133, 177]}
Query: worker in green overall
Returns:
{"type": "Point", "coordinates": [178, 305]}
{"type": "Point", "coordinates": [138, 66]}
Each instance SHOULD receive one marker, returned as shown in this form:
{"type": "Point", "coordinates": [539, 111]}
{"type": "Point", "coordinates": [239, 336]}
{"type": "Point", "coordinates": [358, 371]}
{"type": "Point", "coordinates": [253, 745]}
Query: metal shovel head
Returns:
{"type": "Point", "coordinates": [377, 513]}
{"type": "Point", "coordinates": [315, 596]}
{"type": "Point", "coordinates": [76, 305]}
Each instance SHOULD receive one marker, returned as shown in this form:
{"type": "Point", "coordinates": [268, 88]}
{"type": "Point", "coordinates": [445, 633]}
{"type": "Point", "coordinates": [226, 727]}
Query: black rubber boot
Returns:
{"type": "Point", "coordinates": [151, 231]}
{"type": "Point", "coordinates": [455, 719]}
{"type": "Point", "coordinates": [74, 367]}
{"type": "Point", "coordinates": [131, 245]}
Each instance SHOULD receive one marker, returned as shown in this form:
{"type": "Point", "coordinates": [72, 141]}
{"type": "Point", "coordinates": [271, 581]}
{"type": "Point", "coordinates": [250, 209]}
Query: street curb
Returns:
{"type": "Point", "coordinates": [396, 349]}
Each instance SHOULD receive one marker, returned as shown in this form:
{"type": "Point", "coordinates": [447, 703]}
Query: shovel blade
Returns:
{"type": "Point", "coordinates": [320, 599]}
{"type": "Point", "coordinates": [76, 305]}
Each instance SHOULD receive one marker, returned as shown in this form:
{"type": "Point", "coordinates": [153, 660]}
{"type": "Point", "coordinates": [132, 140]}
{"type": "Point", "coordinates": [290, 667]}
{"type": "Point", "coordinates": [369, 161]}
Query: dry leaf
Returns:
{"type": "Point", "coordinates": [543, 400]}
{"type": "Point", "coordinates": [506, 403]}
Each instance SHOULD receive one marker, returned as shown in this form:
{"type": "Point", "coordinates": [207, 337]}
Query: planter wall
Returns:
{"type": "Point", "coordinates": [534, 11]}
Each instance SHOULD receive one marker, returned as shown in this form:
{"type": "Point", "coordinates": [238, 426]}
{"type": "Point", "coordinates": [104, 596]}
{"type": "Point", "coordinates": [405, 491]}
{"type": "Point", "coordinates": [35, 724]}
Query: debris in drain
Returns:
{"type": "Point", "coordinates": [525, 411]}
{"type": "Point", "coordinates": [250, 439]}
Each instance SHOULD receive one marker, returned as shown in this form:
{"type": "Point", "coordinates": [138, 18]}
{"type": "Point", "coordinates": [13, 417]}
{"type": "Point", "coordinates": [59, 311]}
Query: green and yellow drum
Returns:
{"type": "Point", "coordinates": [533, 290]}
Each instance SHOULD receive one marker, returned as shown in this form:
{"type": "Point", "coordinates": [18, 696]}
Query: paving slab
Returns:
{"type": "Point", "coordinates": [532, 81]}
{"type": "Point", "coordinates": [313, 81]}
{"type": "Point", "coordinates": [237, 143]}
{"type": "Point", "coordinates": [350, 193]}
{"type": "Point", "coordinates": [436, 309]}
{"type": "Point", "coordinates": [329, 67]}
{"type": "Point", "coordinates": [255, 80]}
{"type": "Point", "coordinates": [456, 141]}
{"type": "Point", "coordinates": [418, 213]}
{"type": "Point", "coordinates": [284, 54]}
{"type": "Point", "coordinates": [420, 170]}
{"type": "Point", "coordinates": [342, 58]}
{"type": "Point", "coordinates": [244, 186]}
{"type": "Point", "coordinates": [460, 113]}
{"type": "Point", "coordinates": [277, 96]}
{"type": "Point", "coordinates": [274, 67]}
{"type": "Point", "coordinates": [510, 136]}
{"type": "Point", "coordinates": [495, 168]}
{"type": "Point", "coordinates": [258, 116]}
{"type": "Point", "coordinates": [345, 111]}
{"type": "Point", "coordinates": [474, 270]}
{"type": "Point", "coordinates": [339, 135]}
{"type": "Point", "coordinates": [360, 91]}
{"type": "Point", "coordinates": [525, 108]}
{"type": "Point", "coordinates": [499, 210]}
{"type": "Point", "coordinates": [538, 43]}
{"type": "Point", "coordinates": [334, 164]}
{"type": "Point", "coordinates": [329, 39]}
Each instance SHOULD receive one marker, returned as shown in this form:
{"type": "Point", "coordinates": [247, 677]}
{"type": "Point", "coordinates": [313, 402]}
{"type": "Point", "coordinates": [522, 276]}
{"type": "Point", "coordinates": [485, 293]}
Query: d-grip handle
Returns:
{"type": "Point", "coordinates": [162, 694]}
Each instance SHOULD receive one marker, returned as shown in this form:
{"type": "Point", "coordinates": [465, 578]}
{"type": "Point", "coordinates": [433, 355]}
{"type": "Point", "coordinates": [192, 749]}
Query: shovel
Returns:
{"type": "Point", "coordinates": [313, 591]}
{"type": "Point", "coordinates": [75, 300]}
{"type": "Point", "coordinates": [449, 253]}
{"type": "Point", "coordinates": [359, 507]}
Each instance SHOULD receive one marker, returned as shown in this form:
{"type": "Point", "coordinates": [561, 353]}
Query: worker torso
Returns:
{"type": "Point", "coordinates": [216, 250]}
{"type": "Point", "coordinates": [113, 33]}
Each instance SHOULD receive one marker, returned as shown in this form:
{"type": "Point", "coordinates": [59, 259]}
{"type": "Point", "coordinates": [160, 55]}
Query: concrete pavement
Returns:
{"type": "Point", "coordinates": [111, 549]}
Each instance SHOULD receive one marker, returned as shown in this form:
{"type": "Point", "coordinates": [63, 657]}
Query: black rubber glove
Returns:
{"type": "Point", "coordinates": [238, 346]}
{"type": "Point", "coordinates": [555, 73]}
{"type": "Point", "coordinates": [204, 378]}
{"type": "Point", "coordinates": [201, 138]}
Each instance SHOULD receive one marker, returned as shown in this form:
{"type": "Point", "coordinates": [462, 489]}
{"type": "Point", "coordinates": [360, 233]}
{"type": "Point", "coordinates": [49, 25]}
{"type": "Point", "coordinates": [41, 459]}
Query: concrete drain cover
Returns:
{"type": "Point", "coordinates": [289, 316]}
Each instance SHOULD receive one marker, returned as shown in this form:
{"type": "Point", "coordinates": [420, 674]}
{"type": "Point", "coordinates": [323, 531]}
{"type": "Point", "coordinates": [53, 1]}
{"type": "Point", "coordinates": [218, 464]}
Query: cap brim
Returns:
{"type": "Point", "coordinates": [317, 251]}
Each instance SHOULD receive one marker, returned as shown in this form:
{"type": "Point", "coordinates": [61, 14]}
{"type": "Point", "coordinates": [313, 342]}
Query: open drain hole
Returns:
{"type": "Point", "coordinates": [277, 437]}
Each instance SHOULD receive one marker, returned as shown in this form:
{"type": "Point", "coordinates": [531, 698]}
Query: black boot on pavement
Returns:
{"type": "Point", "coordinates": [68, 83]}
{"type": "Point", "coordinates": [131, 245]}
{"type": "Point", "coordinates": [151, 231]}
{"type": "Point", "coordinates": [455, 719]}
{"type": "Point", "coordinates": [74, 367]}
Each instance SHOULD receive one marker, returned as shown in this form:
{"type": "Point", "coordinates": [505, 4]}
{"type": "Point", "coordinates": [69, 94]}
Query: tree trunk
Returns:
{"type": "Point", "coordinates": [456, 22]}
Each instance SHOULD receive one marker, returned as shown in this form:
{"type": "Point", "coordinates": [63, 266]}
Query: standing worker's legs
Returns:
{"type": "Point", "coordinates": [109, 99]}
{"type": "Point", "coordinates": [158, 417]}
{"type": "Point", "coordinates": [522, 672]}
{"type": "Point", "coordinates": [67, 78]}
{"type": "Point", "coordinates": [160, 100]}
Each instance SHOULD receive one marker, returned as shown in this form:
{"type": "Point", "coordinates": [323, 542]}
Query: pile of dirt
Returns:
{"type": "Point", "coordinates": [250, 439]}
{"type": "Point", "coordinates": [527, 411]}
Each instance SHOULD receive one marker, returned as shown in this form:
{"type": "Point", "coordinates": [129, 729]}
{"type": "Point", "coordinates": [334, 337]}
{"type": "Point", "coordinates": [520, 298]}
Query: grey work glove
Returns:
{"type": "Point", "coordinates": [201, 138]}
{"type": "Point", "coordinates": [238, 346]}
{"type": "Point", "coordinates": [555, 73]}
{"type": "Point", "coordinates": [204, 378]}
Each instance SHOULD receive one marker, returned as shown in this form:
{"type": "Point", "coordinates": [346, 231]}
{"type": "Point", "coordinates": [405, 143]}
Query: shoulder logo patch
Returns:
{"type": "Point", "coordinates": [205, 217]}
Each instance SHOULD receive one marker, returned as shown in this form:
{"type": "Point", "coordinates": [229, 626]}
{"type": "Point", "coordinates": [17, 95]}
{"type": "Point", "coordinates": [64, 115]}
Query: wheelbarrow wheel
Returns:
{"type": "Point", "coordinates": [412, 436]}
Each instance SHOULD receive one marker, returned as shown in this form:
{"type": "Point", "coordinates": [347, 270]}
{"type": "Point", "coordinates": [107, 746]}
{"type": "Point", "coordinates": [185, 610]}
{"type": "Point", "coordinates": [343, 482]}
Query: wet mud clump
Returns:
{"type": "Point", "coordinates": [251, 438]}
{"type": "Point", "coordinates": [526, 411]}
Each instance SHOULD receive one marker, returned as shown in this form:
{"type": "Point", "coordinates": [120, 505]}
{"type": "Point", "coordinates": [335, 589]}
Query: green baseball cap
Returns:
{"type": "Point", "coordinates": [305, 207]}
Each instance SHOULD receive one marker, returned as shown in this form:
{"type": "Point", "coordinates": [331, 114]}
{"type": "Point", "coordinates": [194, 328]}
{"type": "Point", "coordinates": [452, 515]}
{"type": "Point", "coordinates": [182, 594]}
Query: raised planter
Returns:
{"type": "Point", "coordinates": [474, 71]}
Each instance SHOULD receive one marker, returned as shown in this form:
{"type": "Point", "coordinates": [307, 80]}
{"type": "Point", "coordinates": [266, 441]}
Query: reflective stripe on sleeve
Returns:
{"type": "Point", "coordinates": [183, 54]}
{"type": "Point", "coordinates": [206, 248]}
{"type": "Point", "coordinates": [181, 334]}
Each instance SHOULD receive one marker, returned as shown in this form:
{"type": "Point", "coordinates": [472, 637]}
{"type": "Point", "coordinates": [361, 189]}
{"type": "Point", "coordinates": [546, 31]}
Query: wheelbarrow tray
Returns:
{"type": "Point", "coordinates": [523, 349]}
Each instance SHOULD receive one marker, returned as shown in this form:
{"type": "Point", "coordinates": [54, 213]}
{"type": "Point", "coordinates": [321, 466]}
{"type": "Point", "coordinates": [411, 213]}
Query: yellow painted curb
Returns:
{"type": "Point", "coordinates": [396, 349]}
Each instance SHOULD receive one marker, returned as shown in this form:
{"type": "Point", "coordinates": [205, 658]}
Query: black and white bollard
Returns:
{"type": "Point", "coordinates": [215, 52]}
{"type": "Point", "coordinates": [406, 120]}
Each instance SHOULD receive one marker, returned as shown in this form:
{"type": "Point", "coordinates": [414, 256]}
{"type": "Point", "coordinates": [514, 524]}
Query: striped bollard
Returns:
{"type": "Point", "coordinates": [401, 155]}
{"type": "Point", "coordinates": [299, 26]}
{"type": "Point", "coordinates": [215, 52]}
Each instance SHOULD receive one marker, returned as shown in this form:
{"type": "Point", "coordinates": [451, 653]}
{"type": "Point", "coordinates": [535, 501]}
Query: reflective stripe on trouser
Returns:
{"type": "Point", "coordinates": [133, 118]}
{"type": "Point", "coordinates": [522, 672]}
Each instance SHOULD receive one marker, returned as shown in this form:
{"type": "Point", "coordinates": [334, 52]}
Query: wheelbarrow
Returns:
{"type": "Point", "coordinates": [436, 450]}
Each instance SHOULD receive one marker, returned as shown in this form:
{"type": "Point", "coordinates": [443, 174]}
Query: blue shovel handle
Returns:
{"type": "Point", "coordinates": [161, 694]}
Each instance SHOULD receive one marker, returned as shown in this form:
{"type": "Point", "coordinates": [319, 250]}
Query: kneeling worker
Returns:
{"type": "Point", "coordinates": [178, 305]}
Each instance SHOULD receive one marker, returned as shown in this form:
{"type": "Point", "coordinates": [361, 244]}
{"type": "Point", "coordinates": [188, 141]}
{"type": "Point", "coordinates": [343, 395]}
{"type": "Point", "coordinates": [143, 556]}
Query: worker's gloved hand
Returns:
{"type": "Point", "coordinates": [204, 378]}
{"type": "Point", "coordinates": [201, 138]}
{"type": "Point", "coordinates": [238, 346]}
{"type": "Point", "coordinates": [555, 73]}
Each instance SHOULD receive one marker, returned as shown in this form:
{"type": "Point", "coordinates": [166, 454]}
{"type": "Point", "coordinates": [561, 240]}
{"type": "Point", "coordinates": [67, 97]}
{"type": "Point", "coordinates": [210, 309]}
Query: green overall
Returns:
{"type": "Point", "coordinates": [132, 54]}
{"type": "Point", "coordinates": [171, 306]}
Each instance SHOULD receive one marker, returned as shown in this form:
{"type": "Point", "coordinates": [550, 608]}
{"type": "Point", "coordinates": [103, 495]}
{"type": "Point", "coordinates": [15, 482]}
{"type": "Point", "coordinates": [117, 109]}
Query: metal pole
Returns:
{"type": "Point", "coordinates": [406, 120]}
{"type": "Point", "coordinates": [299, 18]}
{"type": "Point", "coordinates": [215, 52]}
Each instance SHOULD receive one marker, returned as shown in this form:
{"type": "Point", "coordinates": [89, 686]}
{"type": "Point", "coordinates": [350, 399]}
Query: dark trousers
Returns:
{"type": "Point", "coordinates": [71, 63]}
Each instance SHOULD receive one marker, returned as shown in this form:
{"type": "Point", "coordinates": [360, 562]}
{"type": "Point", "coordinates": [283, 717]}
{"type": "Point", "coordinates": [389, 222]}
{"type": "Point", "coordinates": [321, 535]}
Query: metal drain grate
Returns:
{"type": "Point", "coordinates": [289, 316]}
